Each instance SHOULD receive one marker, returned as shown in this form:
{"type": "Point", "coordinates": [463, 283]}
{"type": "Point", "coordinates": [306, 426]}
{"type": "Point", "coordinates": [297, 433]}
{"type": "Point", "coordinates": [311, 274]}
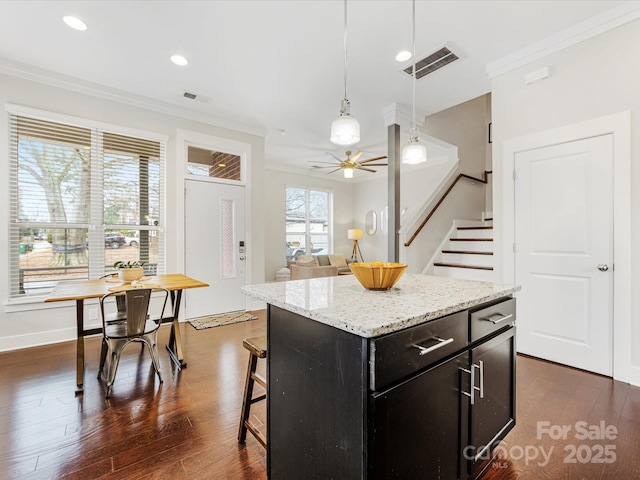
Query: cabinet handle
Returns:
{"type": "Point", "coordinates": [502, 318]}
{"type": "Point", "coordinates": [472, 388]}
{"type": "Point", "coordinates": [481, 368]}
{"type": "Point", "coordinates": [441, 343]}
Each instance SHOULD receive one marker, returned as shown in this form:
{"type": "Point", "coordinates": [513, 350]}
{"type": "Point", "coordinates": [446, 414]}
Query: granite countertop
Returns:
{"type": "Point", "coordinates": [345, 304]}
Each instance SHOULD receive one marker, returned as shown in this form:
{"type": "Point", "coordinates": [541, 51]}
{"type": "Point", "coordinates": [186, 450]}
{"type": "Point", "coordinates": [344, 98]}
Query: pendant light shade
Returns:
{"type": "Point", "coordinates": [345, 130]}
{"type": "Point", "coordinates": [414, 152]}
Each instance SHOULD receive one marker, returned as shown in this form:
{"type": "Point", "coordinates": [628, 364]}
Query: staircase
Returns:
{"type": "Point", "coordinates": [468, 253]}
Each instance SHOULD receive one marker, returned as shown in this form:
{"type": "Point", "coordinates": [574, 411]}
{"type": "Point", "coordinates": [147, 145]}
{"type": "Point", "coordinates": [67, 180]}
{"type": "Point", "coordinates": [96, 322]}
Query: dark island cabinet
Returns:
{"type": "Point", "coordinates": [416, 426]}
{"type": "Point", "coordinates": [427, 402]}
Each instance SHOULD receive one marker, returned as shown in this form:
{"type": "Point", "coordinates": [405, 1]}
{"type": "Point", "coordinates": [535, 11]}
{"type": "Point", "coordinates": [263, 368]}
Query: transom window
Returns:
{"type": "Point", "coordinates": [82, 198]}
{"type": "Point", "coordinates": [308, 222]}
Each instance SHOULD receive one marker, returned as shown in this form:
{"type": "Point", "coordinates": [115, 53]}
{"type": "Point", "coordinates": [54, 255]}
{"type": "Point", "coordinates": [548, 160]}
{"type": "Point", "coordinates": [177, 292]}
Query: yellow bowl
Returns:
{"type": "Point", "coordinates": [378, 275]}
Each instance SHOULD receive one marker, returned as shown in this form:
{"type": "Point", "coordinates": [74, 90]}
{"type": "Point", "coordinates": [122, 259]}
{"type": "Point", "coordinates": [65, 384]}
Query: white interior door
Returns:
{"type": "Point", "coordinates": [214, 247]}
{"type": "Point", "coordinates": [563, 252]}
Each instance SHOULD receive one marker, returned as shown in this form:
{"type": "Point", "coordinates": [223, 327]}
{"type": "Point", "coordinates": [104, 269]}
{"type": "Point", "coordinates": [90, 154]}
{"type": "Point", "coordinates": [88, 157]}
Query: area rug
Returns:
{"type": "Point", "coordinates": [219, 320]}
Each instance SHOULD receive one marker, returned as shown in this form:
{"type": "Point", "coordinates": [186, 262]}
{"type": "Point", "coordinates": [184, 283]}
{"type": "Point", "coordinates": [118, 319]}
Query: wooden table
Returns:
{"type": "Point", "coordinates": [79, 290]}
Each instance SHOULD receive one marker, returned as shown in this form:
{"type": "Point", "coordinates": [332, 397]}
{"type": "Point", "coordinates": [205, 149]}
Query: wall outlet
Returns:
{"type": "Point", "coordinates": [93, 314]}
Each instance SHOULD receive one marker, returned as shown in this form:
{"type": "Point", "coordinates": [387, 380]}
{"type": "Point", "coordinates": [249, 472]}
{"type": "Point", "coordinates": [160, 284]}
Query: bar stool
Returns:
{"type": "Point", "coordinates": [257, 347]}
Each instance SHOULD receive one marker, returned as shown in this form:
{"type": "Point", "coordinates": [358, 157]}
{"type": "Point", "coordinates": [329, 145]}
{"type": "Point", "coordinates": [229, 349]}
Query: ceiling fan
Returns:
{"type": "Point", "coordinates": [350, 164]}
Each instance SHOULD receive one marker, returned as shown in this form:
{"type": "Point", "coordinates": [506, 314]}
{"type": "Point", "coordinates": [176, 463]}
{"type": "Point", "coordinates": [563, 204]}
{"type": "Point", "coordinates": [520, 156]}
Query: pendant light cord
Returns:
{"type": "Point", "coordinates": [413, 121]}
{"type": "Point", "coordinates": [345, 49]}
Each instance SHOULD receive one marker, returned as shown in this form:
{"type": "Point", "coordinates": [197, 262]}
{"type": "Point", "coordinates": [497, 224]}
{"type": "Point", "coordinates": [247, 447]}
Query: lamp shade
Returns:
{"type": "Point", "coordinates": [348, 172]}
{"type": "Point", "coordinates": [413, 153]}
{"type": "Point", "coordinates": [345, 130]}
{"type": "Point", "coordinates": [354, 233]}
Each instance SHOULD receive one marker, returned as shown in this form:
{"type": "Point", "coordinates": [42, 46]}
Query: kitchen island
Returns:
{"type": "Point", "coordinates": [414, 382]}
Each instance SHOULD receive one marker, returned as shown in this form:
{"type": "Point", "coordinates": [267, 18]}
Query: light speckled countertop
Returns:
{"type": "Point", "coordinates": [343, 303]}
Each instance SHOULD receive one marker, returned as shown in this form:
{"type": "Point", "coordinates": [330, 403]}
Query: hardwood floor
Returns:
{"type": "Point", "coordinates": [187, 426]}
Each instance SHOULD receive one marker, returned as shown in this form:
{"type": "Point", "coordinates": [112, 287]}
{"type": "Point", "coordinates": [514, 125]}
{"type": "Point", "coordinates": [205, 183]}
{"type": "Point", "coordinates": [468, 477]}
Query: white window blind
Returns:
{"type": "Point", "coordinates": [81, 199]}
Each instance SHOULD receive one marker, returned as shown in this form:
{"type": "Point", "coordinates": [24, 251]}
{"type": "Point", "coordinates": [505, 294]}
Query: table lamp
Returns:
{"type": "Point", "coordinates": [355, 234]}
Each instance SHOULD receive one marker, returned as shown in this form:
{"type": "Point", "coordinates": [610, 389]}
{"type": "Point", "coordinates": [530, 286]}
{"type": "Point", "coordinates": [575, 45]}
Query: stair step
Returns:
{"type": "Point", "coordinates": [473, 232]}
{"type": "Point", "coordinates": [467, 252]}
{"type": "Point", "coordinates": [470, 245]}
{"type": "Point", "coordinates": [460, 265]}
{"type": "Point", "coordinates": [464, 273]}
{"type": "Point", "coordinates": [471, 239]}
{"type": "Point", "coordinates": [454, 257]}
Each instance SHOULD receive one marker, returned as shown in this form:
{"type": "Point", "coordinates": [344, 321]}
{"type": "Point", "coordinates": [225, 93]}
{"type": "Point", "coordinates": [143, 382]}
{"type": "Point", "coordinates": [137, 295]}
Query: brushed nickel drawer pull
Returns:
{"type": "Point", "coordinates": [441, 343]}
{"type": "Point", "coordinates": [502, 318]}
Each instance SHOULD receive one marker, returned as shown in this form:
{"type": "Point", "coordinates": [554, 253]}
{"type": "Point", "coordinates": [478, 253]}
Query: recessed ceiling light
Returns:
{"type": "Point", "coordinates": [222, 165]}
{"type": "Point", "coordinates": [75, 23]}
{"type": "Point", "coordinates": [403, 56]}
{"type": "Point", "coordinates": [179, 60]}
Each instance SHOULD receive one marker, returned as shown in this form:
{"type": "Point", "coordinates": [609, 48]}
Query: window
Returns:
{"type": "Point", "coordinates": [214, 164]}
{"type": "Point", "coordinates": [308, 222]}
{"type": "Point", "coordinates": [81, 199]}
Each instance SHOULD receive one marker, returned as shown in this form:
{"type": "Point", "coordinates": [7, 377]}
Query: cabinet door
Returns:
{"type": "Point", "coordinates": [416, 426]}
{"type": "Point", "coordinates": [493, 410]}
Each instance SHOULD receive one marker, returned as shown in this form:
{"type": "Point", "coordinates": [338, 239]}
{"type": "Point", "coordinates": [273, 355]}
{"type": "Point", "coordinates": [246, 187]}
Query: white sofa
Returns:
{"type": "Point", "coordinates": [308, 266]}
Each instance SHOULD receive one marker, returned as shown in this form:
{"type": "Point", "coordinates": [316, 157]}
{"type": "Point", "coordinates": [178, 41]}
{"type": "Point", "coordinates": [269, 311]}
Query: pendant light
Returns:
{"type": "Point", "coordinates": [345, 130]}
{"type": "Point", "coordinates": [414, 152]}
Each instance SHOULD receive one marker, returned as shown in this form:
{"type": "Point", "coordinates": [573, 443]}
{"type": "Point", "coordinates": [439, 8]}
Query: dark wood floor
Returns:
{"type": "Point", "coordinates": [187, 427]}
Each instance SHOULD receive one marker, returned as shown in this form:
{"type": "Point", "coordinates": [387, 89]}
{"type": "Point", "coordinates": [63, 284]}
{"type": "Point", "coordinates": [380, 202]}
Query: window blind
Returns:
{"type": "Point", "coordinates": [81, 198]}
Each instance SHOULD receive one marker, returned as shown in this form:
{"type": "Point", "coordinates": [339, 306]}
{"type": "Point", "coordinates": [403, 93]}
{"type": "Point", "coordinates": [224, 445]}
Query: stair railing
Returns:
{"type": "Point", "coordinates": [444, 195]}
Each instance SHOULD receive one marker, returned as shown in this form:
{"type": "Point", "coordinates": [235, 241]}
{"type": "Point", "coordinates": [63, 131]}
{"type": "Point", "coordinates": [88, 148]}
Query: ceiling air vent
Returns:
{"type": "Point", "coordinates": [432, 62]}
{"type": "Point", "coordinates": [196, 97]}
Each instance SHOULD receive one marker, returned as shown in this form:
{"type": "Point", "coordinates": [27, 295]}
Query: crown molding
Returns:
{"type": "Point", "coordinates": [615, 17]}
{"type": "Point", "coordinates": [48, 77]}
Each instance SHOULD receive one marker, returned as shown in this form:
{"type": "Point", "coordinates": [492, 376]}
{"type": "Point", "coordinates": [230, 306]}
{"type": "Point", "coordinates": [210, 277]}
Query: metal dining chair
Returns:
{"type": "Point", "coordinates": [138, 327]}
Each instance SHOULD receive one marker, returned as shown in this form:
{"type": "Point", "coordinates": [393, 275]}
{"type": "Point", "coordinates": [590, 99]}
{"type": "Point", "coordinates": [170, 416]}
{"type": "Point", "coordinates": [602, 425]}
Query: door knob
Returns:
{"type": "Point", "coordinates": [241, 258]}
{"type": "Point", "coordinates": [603, 267]}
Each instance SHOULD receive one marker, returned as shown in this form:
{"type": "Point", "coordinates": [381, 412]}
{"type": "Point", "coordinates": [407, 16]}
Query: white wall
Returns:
{"type": "Point", "coordinates": [275, 183]}
{"type": "Point", "coordinates": [32, 324]}
{"type": "Point", "coordinates": [417, 186]}
{"type": "Point", "coordinates": [592, 79]}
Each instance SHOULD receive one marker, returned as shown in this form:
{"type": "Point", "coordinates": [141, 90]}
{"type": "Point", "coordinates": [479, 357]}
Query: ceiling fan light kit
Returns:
{"type": "Point", "coordinates": [348, 172]}
{"type": "Point", "coordinates": [345, 130]}
{"type": "Point", "coordinates": [414, 152]}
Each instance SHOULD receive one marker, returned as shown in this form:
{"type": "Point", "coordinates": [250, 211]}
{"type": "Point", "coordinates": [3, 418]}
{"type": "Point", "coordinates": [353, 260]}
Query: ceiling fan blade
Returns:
{"type": "Point", "coordinates": [368, 169]}
{"type": "Point", "coordinates": [373, 159]}
{"type": "Point", "coordinates": [328, 166]}
{"type": "Point", "coordinates": [326, 163]}
{"type": "Point", "coordinates": [332, 155]}
{"type": "Point", "coordinates": [356, 156]}
{"type": "Point", "coordinates": [376, 164]}
{"type": "Point", "coordinates": [334, 170]}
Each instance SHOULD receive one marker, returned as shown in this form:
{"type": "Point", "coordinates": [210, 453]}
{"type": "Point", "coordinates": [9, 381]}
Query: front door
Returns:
{"type": "Point", "coordinates": [563, 252]}
{"type": "Point", "coordinates": [214, 247]}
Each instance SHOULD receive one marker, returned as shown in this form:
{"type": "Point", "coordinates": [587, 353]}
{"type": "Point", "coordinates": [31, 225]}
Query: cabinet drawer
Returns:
{"type": "Point", "coordinates": [402, 353]}
{"type": "Point", "coordinates": [488, 320]}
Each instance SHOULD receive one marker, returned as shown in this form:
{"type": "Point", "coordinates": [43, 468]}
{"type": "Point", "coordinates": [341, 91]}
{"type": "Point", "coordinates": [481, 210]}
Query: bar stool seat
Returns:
{"type": "Point", "coordinates": [257, 347]}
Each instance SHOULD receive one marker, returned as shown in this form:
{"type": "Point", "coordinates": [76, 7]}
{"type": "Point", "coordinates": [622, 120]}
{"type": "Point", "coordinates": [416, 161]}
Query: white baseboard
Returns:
{"type": "Point", "coordinates": [37, 339]}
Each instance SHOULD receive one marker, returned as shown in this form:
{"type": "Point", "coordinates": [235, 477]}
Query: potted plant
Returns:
{"type": "Point", "coordinates": [130, 270]}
